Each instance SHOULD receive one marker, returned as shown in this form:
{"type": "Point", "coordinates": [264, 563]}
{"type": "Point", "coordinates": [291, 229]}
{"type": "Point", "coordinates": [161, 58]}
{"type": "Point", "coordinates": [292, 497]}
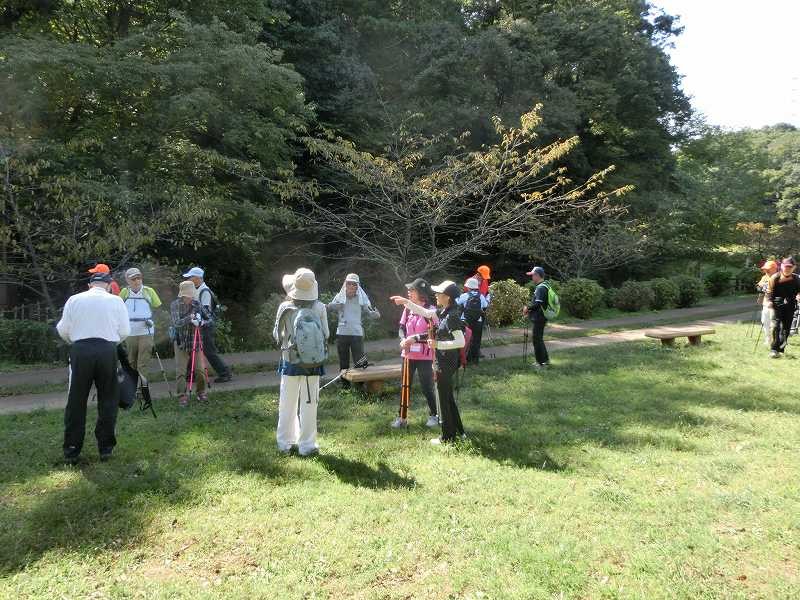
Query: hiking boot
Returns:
{"type": "Point", "coordinates": [183, 400]}
{"type": "Point", "coordinates": [224, 378]}
{"type": "Point", "coordinates": [399, 423]}
{"type": "Point", "coordinates": [202, 397]}
{"type": "Point", "coordinates": [774, 354]}
{"type": "Point", "coordinates": [105, 454]}
{"type": "Point", "coordinates": [433, 421]}
{"type": "Point", "coordinates": [72, 455]}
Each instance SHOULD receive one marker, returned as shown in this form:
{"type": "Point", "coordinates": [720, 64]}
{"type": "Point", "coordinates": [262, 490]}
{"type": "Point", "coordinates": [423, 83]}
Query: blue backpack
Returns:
{"type": "Point", "coordinates": [309, 349]}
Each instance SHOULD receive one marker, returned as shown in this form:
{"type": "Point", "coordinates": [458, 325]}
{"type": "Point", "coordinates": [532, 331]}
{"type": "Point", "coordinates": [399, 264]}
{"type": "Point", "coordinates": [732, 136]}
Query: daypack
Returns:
{"type": "Point", "coordinates": [472, 308]}
{"type": "Point", "coordinates": [309, 348]}
{"type": "Point", "coordinates": [553, 303]}
{"type": "Point", "coordinates": [214, 305]}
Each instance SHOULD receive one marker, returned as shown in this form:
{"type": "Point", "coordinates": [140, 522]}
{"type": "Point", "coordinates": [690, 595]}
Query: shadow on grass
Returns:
{"type": "Point", "coordinates": [360, 474]}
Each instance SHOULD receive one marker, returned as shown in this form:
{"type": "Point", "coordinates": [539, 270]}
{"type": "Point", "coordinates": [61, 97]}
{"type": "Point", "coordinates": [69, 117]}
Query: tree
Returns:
{"type": "Point", "coordinates": [416, 218]}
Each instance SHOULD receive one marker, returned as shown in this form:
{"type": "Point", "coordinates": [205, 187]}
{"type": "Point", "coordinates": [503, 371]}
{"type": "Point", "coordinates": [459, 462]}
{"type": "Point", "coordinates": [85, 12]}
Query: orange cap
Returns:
{"type": "Point", "coordinates": [485, 272]}
{"type": "Point", "coordinates": [769, 265]}
{"type": "Point", "coordinates": [100, 268]}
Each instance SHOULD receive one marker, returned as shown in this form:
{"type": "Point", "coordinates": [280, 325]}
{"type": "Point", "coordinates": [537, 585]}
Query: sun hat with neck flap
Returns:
{"type": "Point", "coordinates": [301, 285]}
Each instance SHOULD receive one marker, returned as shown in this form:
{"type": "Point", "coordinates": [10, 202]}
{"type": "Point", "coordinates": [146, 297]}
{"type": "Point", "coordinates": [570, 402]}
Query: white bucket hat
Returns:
{"type": "Point", "coordinates": [353, 278]}
{"type": "Point", "coordinates": [472, 284]}
{"type": "Point", "coordinates": [301, 285]}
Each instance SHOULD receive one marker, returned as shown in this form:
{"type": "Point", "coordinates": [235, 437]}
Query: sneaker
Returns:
{"type": "Point", "coordinates": [437, 441]}
{"type": "Point", "coordinates": [313, 452]}
{"type": "Point", "coordinates": [105, 454]}
{"type": "Point", "coordinates": [183, 400]}
{"type": "Point", "coordinates": [774, 354]}
{"type": "Point", "coordinates": [399, 423]}
{"type": "Point", "coordinates": [537, 366]}
{"type": "Point", "coordinates": [203, 397]}
{"type": "Point", "coordinates": [224, 378]}
{"type": "Point", "coordinates": [433, 421]}
{"type": "Point", "coordinates": [72, 455]}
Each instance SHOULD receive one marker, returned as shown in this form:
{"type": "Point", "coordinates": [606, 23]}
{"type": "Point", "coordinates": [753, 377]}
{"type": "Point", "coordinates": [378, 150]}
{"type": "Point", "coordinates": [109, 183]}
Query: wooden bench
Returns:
{"type": "Point", "coordinates": [668, 336]}
{"type": "Point", "coordinates": [374, 376]}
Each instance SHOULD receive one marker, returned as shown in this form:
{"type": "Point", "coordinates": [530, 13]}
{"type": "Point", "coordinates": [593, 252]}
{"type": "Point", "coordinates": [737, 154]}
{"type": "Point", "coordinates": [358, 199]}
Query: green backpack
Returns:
{"type": "Point", "coordinates": [553, 303]}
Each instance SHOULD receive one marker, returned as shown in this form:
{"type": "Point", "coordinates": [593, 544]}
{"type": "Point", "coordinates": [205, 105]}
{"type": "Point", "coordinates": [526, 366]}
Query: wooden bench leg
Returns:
{"type": "Point", "coordinates": [375, 386]}
{"type": "Point", "coordinates": [668, 342]}
{"type": "Point", "coordinates": [694, 340]}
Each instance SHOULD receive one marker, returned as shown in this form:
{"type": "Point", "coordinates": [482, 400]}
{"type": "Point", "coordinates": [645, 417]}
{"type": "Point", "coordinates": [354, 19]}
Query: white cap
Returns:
{"type": "Point", "coordinates": [472, 284]}
{"type": "Point", "coordinates": [352, 278]}
{"type": "Point", "coordinates": [195, 272]}
{"type": "Point", "coordinates": [132, 272]}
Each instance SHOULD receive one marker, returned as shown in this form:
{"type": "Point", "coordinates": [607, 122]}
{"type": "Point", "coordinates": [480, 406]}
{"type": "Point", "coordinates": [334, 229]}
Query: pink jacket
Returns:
{"type": "Point", "coordinates": [415, 324]}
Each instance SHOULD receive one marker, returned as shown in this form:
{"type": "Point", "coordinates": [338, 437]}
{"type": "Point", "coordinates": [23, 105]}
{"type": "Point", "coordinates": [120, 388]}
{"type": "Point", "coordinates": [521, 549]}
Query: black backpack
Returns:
{"type": "Point", "coordinates": [213, 307]}
{"type": "Point", "coordinates": [472, 308]}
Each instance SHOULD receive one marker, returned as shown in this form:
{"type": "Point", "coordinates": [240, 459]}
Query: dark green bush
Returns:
{"type": "Point", "coordinates": [581, 297]}
{"type": "Point", "coordinates": [665, 293]}
{"type": "Point", "coordinates": [718, 282]}
{"type": "Point", "coordinates": [610, 297]}
{"type": "Point", "coordinates": [29, 341]}
{"type": "Point", "coordinates": [690, 290]}
{"type": "Point", "coordinates": [634, 296]}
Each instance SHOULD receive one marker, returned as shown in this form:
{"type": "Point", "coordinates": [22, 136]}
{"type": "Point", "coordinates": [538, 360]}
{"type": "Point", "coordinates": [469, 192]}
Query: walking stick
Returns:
{"type": "Point", "coordinates": [489, 335]}
{"type": "Point", "coordinates": [160, 366]}
{"type": "Point", "coordinates": [194, 354]}
{"type": "Point", "coordinates": [405, 389]}
{"type": "Point", "coordinates": [432, 336]}
{"type": "Point", "coordinates": [361, 363]}
{"type": "Point", "coordinates": [525, 348]}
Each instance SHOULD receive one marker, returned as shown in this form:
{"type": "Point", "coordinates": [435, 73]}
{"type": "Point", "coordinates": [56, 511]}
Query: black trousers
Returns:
{"type": "Point", "coordinates": [450, 418]}
{"type": "Point", "coordinates": [781, 324]}
{"type": "Point", "coordinates": [474, 350]}
{"type": "Point", "coordinates": [424, 370]}
{"type": "Point", "coordinates": [539, 349]}
{"type": "Point", "coordinates": [91, 361]}
{"type": "Point", "coordinates": [345, 346]}
{"type": "Point", "coordinates": [210, 350]}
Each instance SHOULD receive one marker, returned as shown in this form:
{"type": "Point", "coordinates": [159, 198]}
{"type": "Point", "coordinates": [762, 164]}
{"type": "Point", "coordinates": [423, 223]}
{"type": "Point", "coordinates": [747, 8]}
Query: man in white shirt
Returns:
{"type": "Point", "coordinates": [205, 296]}
{"type": "Point", "coordinates": [93, 323]}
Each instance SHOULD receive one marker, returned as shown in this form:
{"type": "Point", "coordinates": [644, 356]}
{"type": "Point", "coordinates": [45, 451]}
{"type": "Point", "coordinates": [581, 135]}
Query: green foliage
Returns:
{"type": "Point", "coordinates": [610, 297]}
{"type": "Point", "coordinates": [665, 293]}
{"type": "Point", "coordinates": [690, 290]}
{"type": "Point", "coordinates": [508, 300]}
{"type": "Point", "coordinates": [264, 322]}
{"type": "Point", "coordinates": [581, 297]}
{"type": "Point", "coordinates": [718, 282]}
{"type": "Point", "coordinates": [25, 341]}
{"type": "Point", "coordinates": [633, 296]}
{"type": "Point", "coordinates": [225, 340]}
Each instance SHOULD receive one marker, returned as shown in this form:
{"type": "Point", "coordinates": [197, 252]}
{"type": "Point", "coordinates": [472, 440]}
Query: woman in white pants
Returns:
{"type": "Point", "coordinates": [299, 395]}
{"type": "Point", "coordinates": [769, 269]}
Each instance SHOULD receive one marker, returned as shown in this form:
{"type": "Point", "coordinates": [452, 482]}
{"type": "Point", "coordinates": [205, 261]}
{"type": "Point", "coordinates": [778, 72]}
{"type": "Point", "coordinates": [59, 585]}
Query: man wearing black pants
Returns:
{"type": "Point", "coordinates": [535, 312]}
{"type": "Point", "coordinates": [205, 296]}
{"type": "Point", "coordinates": [93, 322]}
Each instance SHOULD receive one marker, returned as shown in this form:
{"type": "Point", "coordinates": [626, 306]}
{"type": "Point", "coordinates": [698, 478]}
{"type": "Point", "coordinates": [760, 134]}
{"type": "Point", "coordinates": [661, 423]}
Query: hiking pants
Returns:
{"type": "Point", "coordinates": [210, 350]}
{"type": "Point", "coordinates": [139, 349]}
{"type": "Point", "coordinates": [424, 371]}
{"type": "Point", "coordinates": [183, 368]}
{"type": "Point", "coordinates": [450, 418]}
{"type": "Point", "coordinates": [767, 314]}
{"type": "Point", "coordinates": [345, 346]}
{"type": "Point", "coordinates": [781, 323]}
{"type": "Point", "coordinates": [91, 361]}
{"type": "Point", "coordinates": [297, 413]}
{"type": "Point", "coordinates": [474, 350]}
{"type": "Point", "coordinates": [539, 349]}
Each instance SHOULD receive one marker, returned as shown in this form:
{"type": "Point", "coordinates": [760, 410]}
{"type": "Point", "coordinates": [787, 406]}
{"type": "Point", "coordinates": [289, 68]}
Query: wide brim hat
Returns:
{"type": "Point", "coordinates": [447, 287]}
{"type": "Point", "coordinates": [302, 285]}
{"type": "Point", "coordinates": [186, 289]}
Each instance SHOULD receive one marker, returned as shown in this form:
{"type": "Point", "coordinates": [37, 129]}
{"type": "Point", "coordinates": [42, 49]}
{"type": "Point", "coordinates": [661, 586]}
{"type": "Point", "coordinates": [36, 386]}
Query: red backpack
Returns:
{"type": "Point", "coordinates": [462, 352]}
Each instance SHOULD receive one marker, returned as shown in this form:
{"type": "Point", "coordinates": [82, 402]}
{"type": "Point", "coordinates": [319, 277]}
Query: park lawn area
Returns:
{"type": "Point", "coordinates": [633, 472]}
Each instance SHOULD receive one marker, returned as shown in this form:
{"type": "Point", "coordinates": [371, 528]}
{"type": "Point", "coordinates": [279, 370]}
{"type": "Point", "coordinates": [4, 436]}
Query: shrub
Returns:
{"type": "Point", "coordinates": [747, 277]}
{"type": "Point", "coordinates": [690, 290]}
{"type": "Point", "coordinates": [665, 293]}
{"type": "Point", "coordinates": [264, 321]}
{"type": "Point", "coordinates": [634, 296]}
{"type": "Point", "coordinates": [28, 341]}
{"type": "Point", "coordinates": [581, 297]}
{"type": "Point", "coordinates": [718, 282]}
{"type": "Point", "coordinates": [610, 297]}
{"type": "Point", "coordinates": [508, 300]}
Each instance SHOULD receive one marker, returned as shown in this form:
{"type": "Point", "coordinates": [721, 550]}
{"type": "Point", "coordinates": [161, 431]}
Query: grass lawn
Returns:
{"type": "Point", "coordinates": [636, 472]}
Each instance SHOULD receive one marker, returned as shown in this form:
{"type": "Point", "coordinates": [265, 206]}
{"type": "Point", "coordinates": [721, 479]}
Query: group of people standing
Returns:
{"type": "Point", "coordinates": [440, 329]}
{"type": "Point", "coordinates": [779, 292]}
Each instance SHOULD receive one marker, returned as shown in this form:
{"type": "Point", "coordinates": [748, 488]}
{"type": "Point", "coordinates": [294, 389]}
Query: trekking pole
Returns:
{"type": "Point", "coordinates": [203, 357]}
{"type": "Point", "coordinates": [525, 348]}
{"type": "Point", "coordinates": [160, 366]}
{"type": "Point", "coordinates": [191, 367]}
{"type": "Point", "coordinates": [405, 389]}
{"type": "Point", "coordinates": [361, 363]}
{"type": "Point", "coordinates": [490, 336]}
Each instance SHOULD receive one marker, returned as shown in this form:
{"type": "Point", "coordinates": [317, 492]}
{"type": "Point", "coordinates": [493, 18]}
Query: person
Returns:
{"type": "Point", "coordinates": [483, 275]}
{"type": "Point", "coordinates": [473, 311]}
{"type": "Point", "coordinates": [104, 269]}
{"type": "Point", "coordinates": [186, 315]}
{"type": "Point", "coordinates": [206, 297]}
{"type": "Point", "coordinates": [351, 304]}
{"type": "Point", "coordinates": [300, 373]}
{"type": "Point", "coordinates": [140, 300]}
{"type": "Point", "coordinates": [446, 342]}
{"type": "Point", "coordinates": [93, 323]}
{"type": "Point", "coordinates": [535, 313]}
{"type": "Point", "coordinates": [783, 292]}
{"type": "Point", "coordinates": [415, 353]}
{"type": "Point", "coordinates": [769, 268]}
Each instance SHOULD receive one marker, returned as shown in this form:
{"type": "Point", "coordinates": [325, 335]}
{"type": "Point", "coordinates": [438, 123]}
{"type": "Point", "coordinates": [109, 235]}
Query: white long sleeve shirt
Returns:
{"type": "Point", "coordinates": [94, 314]}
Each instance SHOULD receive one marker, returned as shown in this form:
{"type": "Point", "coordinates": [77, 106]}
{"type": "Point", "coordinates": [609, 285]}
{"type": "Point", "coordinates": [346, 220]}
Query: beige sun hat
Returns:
{"type": "Point", "coordinates": [302, 285]}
